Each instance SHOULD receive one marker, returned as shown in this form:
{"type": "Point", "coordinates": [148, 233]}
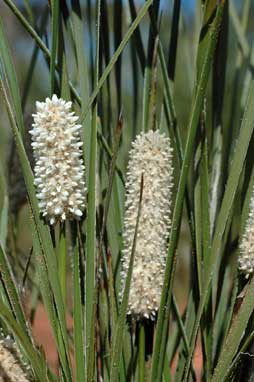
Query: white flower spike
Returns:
{"type": "Point", "coordinates": [246, 257]}
{"type": "Point", "coordinates": [151, 155]}
{"type": "Point", "coordinates": [59, 167]}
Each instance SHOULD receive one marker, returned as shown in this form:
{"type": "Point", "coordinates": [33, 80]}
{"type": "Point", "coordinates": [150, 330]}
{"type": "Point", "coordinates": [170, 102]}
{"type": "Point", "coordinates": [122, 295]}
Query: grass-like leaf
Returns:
{"type": "Point", "coordinates": [12, 290]}
{"type": "Point", "coordinates": [35, 359]}
{"type": "Point", "coordinates": [235, 334]}
{"type": "Point", "coordinates": [78, 320]}
{"type": "Point", "coordinates": [54, 39]}
{"type": "Point", "coordinates": [90, 300]}
{"type": "Point", "coordinates": [83, 77]}
{"type": "Point", "coordinates": [5, 208]}
{"type": "Point", "coordinates": [12, 78]}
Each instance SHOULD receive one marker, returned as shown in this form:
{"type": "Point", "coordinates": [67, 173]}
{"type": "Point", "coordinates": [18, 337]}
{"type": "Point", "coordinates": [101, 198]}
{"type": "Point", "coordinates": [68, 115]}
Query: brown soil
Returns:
{"type": "Point", "coordinates": [43, 336]}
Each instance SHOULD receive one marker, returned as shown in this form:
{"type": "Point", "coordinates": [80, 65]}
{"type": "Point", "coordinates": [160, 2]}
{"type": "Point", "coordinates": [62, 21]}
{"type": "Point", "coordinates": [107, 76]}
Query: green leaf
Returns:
{"type": "Point", "coordinates": [12, 290]}
{"type": "Point", "coordinates": [118, 134]}
{"type": "Point", "coordinates": [62, 60]}
{"type": "Point", "coordinates": [4, 208]}
{"type": "Point", "coordinates": [34, 357]}
{"type": "Point", "coordinates": [54, 38]}
{"type": "Point", "coordinates": [78, 320]}
{"type": "Point", "coordinates": [90, 288]}
{"type": "Point", "coordinates": [4, 221]}
{"type": "Point", "coordinates": [235, 334]}
{"type": "Point", "coordinates": [182, 329]}
{"type": "Point", "coordinates": [31, 67]}
{"type": "Point", "coordinates": [83, 77]}
{"type": "Point", "coordinates": [8, 67]}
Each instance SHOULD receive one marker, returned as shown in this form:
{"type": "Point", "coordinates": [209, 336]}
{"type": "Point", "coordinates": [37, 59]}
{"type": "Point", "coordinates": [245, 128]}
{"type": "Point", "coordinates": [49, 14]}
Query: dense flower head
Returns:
{"type": "Point", "coordinates": [12, 368]}
{"type": "Point", "coordinates": [150, 155]}
{"type": "Point", "coordinates": [246, 257]}
{"type": "Point", "coordinates": [59, 167]}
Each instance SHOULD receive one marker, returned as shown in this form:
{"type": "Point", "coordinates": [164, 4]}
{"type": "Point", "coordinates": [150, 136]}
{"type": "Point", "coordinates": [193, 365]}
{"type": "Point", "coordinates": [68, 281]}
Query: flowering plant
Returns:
{"type": "Point", "coordinates": [126, 196]}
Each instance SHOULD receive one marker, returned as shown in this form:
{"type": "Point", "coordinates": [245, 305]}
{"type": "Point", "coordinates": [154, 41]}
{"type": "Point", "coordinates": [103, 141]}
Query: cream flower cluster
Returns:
{"type": "Point", "coordinates": [150, 155]}
{"type": "Point", "coordinates": [11, 367]}
{"type": "Point", "coordinates": [246, 257]}
{"type": "Point", "coordinates": [59, 167]}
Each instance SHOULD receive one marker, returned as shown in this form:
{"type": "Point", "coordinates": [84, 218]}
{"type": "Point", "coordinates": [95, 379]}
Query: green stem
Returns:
{"type": "Point", "coordinates": [54, 26]}
{"type": "Point", "coordinates": [141, 352]}
{"type": "Point", "coordinates": [90, 283]}
{"type": "Point", "coordinates": [146, 97]}
{"type": "Point", "coordinates": [62, 262]}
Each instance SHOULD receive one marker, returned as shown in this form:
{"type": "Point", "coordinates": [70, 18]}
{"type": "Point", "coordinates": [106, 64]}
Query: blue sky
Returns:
{"type": "Point", "coordinates": [189, 4]}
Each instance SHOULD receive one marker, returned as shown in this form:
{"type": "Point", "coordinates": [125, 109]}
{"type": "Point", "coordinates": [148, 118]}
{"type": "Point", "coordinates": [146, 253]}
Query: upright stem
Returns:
{"type": "Point", "coordinates": [62, 261]}
{"type": "Point", "coordinates": [141, 352]}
